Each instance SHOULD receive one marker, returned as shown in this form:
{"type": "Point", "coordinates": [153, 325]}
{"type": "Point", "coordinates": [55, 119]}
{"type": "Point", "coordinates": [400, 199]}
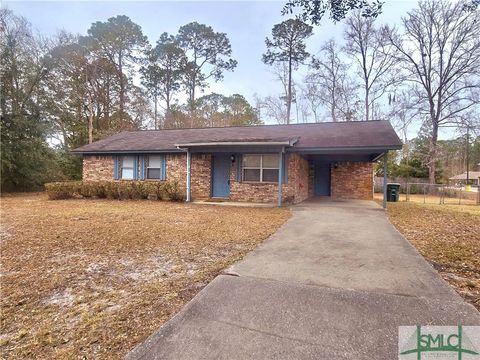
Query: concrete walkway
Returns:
{"type": "Point", "coordinates": [334, 282]}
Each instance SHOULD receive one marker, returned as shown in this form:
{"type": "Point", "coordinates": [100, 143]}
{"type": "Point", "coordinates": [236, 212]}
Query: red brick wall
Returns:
{"type": "Point", "coordinates": [176, 168]}
{"type": "Point", "coordinates": [96, 168]}
{"type": "Point", "coordinates": [298, 173]}
{"type": "Point", "coordinates": [297, 188]}
{"type": "Point", "coordinates": [201, 176]}
{"type": "Point", "coordinates": [201, 173]}
{"type": "Point", "coordinates": [311, 179]}
{"type": "Point", "coordinates": [352, 180]}
{"type": "Point", "coordinates": [294, 191]}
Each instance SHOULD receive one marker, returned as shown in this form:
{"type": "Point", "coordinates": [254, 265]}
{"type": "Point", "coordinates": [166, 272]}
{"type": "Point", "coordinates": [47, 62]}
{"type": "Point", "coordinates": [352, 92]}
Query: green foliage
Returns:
{"type": "Point", "coordinates": [26, 159]}
{"type": "Point", "coordinates": [287, 48]}
{"type": "Point", "coordinates": [119, 38]}
{"type": "Point", "coordinates": [163, 72]}
{"type": "Point", "coordinates": [122, 190]}
{"type": "Point", "coordinates": [287, 43]}
{"type": "Point", "coordinates": [119, 41]}
{"type": "Point", "coordinates": [410, 168]}
{"type": "Point", "coordinates": [69, 165]}
{"type": "Point", "coordinates": [209, 55]}
{"type": "Point", "coordinates": [221, 110]}
{"type": "Point", "coordinates": [314, 10]}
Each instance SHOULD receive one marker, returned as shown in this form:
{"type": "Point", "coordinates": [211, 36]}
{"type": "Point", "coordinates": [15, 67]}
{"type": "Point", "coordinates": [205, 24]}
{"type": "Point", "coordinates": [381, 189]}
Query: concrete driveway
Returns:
{"type": "Point", "coordinates": [334, 282]}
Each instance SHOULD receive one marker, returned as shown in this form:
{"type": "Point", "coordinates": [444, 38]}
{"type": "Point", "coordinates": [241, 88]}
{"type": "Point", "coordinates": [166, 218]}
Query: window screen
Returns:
{"type": "Point", "coordinates": [154, 166]}
{"type": "Point", "coordinates": [127, 167]}
{"type": "Point", "coordinates": [261, 168]}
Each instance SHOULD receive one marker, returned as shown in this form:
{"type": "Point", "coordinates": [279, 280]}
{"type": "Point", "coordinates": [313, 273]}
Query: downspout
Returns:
{"type": "Point", "coordinates": [189, 175]}
{"type": "Point", "coordinates": [280, 176]}
{"type": "Point", "coordinates": [385, 169]}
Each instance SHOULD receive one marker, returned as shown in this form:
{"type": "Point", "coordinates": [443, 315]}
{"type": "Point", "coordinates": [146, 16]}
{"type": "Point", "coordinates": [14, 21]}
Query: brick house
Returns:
{"type": "Point", "coordinates": [267, 163]}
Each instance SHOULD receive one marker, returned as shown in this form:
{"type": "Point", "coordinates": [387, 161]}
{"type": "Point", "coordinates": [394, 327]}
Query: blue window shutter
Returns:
{"type": "Point", "coordinates": [285, 168]}
{"type": "Point", "coordinates": [135, 167]}
{"type": "Point", "coordinates": [116, 168]}
{"type": "Point", "coordinates": [142, 166]}
{"type": "Point", "coordinates": [238, 176]}
{"type": "Point", "coordinates": [163, 170]}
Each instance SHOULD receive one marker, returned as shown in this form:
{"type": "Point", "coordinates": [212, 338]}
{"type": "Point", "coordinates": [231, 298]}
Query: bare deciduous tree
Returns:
{"type": "Point", "coordinates": [367, 46]}
{"type": "Point", "coordinates": [330, 82]}
{"type": "Point", "coordinates": [310, 94]}
{"type": "Point", "coordinates": [440, 52]}
{"type": "Point", "coordinates": [274, 108]}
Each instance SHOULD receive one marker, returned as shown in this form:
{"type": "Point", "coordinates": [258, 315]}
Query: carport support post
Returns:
{"type": "Point", "coordinates": [280, 177]}
{"type": "Point", "coordinates": [385, 169]}
{"type": "Point", "coordinates": [189, 175]}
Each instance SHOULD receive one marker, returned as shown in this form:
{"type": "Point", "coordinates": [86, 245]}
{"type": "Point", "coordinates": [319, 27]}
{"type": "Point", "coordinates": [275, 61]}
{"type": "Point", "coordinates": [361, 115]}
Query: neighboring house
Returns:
{"type": "Point", "coordinates": [248, 163]}
{"type": "Point", "coordinates": [473, 178]}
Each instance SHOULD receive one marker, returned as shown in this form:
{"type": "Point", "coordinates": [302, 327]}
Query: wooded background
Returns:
{"type": "Point", "coordinates": [61, 92]}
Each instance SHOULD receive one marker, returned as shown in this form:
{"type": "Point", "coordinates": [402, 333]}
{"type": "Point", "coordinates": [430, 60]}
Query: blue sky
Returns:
{"type": "Point", "coordinates": [246, 23]}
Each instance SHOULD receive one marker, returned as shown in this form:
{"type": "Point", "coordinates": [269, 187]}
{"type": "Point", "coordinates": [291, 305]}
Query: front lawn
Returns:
{"type": "Point", "coordinates": [94, 278]}
{"type": "Point", "coordinates": [448, 236]}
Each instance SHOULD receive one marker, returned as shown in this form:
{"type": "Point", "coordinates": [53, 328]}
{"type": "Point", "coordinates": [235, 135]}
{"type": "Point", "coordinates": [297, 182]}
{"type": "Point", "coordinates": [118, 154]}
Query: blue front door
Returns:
{"type": "Point", "coordinates": [322, 179]}
{"type": "Point", "coordinates": [221, 176]}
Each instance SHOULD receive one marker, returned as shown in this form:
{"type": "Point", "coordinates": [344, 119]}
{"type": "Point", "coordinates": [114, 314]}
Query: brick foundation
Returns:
{"type": "Point", "coordinates": [352, 180]}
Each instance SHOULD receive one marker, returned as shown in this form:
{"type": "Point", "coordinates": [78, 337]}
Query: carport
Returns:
{"type": "Point", "coordinates": [323, 160]}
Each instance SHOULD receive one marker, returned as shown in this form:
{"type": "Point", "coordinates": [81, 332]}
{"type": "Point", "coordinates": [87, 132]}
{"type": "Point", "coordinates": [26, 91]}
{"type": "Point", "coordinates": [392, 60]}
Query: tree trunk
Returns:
{"type": "Point", "coordinates": [90, 122]}
{"type": "Point", "coordinates": [156, 112]}
{"type": "Point", "coordinates": [367, 105]}
{"type": "Point", "coordinates": [432, 164]}
{"type": "Point", "coordinates": [107, 102]}
{"type": "Point", "coordinates": [122, 85]}
{"type": "Point", "coordinates": [167, 100]}
{"type": "Point", "coordinates": [65, 138]}
{"type": "Point", "coordinates": [289, 91]}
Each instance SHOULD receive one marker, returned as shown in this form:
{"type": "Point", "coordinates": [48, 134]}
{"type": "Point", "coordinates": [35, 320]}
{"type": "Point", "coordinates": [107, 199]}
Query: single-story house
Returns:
{"type": "Point", "coordinates": [473, 178]}
{"type": "Point", "coordinates": [266, 163]}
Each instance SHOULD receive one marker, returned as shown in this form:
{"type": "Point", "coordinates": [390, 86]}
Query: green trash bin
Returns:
{"type": "Point", "coordinates": [393, 192]}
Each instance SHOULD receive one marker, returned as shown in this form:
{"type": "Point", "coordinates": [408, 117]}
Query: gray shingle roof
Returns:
{"type": "Point", "coordinates": [331, 135]}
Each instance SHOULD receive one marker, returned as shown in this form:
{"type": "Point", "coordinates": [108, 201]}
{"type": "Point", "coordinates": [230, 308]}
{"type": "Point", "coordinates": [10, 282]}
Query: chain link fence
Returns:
{"type": "Point", "coordinates": [441, 194]}
{"type": "Point", "coordinates": [436, 193]}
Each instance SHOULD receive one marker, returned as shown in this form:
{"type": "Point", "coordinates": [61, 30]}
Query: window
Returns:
{"type": "Point", "coordinates": [126, 167]}
{"type": "Point", "coordinates": [263, 168]}
{"type": "Point", "coordinates": [153, 164]}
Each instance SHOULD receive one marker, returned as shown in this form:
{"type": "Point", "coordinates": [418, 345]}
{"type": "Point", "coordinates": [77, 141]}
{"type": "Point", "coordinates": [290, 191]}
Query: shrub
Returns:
{"type": "Point", "coordinates": [171, 191]}
{"type": "Point", "coordinates": [121, 190]}
{"type": "Point", "coordinates": [92, 189]}
{"type": "Point", "coordinates": [63, 190]}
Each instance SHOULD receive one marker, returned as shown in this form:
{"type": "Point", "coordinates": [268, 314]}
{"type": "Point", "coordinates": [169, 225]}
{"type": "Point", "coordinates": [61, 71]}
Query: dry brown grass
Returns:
{"type": "Point", "coordinates": [449, 237]}
{"type": "Point", "coordinates": [94, 278]}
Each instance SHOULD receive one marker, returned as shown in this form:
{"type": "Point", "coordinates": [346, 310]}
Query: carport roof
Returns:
{"type": "Point", "coordinates": [377, 134]}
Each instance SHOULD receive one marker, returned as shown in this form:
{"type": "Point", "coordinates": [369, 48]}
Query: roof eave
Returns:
{"type": "Point", "coordinates": [329, 150]}
{"type": "Point", "coordinates": [237, 143]}
{"type": "Point", "coordinates": [107, 152]}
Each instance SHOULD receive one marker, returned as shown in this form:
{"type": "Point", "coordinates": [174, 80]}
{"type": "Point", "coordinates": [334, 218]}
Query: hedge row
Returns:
{"type": "Point", "coordinates": [122, 190]}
